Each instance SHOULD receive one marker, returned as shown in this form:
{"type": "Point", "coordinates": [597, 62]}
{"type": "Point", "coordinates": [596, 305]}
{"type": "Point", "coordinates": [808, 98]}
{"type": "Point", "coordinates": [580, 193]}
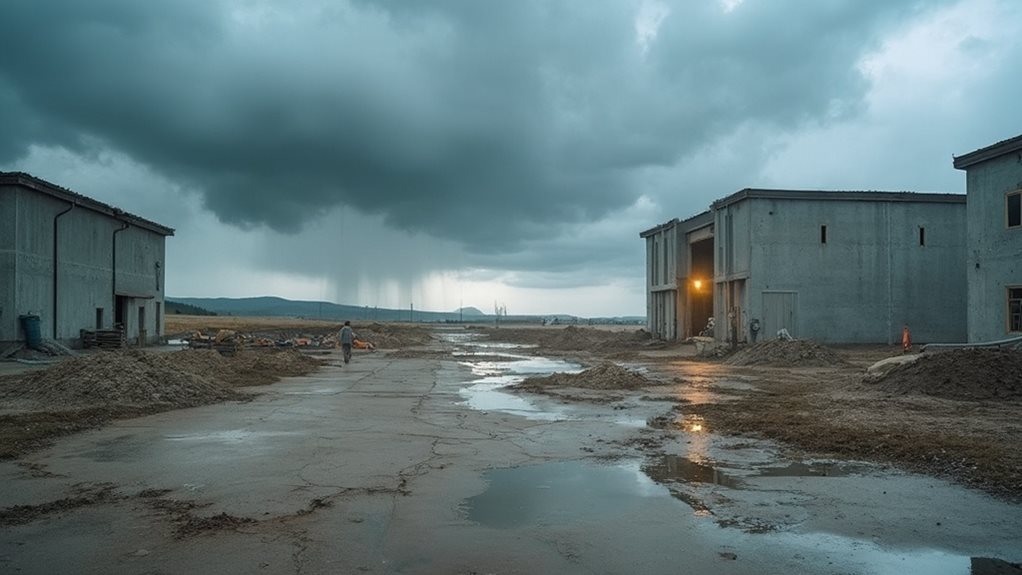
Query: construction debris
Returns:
{"type": "Point", "coordinates": [104, 338]}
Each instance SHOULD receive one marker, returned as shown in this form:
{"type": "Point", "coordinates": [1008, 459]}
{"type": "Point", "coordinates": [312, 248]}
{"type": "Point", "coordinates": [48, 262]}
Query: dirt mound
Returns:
{"type": "Point", "coordinates": [128, 378]}
{"type": "Point", "coordinates": [970, 374]}
{"type": "Point", "coordinates": [573, 338]}
{"type": "Point", "coordinates": [604, 376]}
{"type": "Point", "coordinates": [396, 336]}
{"type": "Point", "coordinates": [249, 367]}
{"type": "Point", "coordinates": [781, 353]}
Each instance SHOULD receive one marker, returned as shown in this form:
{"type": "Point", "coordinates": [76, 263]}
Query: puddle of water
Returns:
{"type": "Point", "coordinates": [559, 493]}
{"type": "Point", "coordinates": [485, 393]}
{"type": "Point", "coordinates": [818, 469]}
{"type": "Point", "coordinates": [229, 436]}
{"type": "Point", "coordinates": [671, 468]}
{"type": "Point", "coordinates": [567, 493]}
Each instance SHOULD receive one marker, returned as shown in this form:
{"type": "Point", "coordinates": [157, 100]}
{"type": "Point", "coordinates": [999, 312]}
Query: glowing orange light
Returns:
{"type": "Point", "coordinates": [698, 284]}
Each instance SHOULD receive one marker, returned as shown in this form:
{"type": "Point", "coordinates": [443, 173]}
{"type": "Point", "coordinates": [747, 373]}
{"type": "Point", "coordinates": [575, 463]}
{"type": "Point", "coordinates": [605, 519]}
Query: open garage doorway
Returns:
{"type": "Point", "coordinates": [700, 285]}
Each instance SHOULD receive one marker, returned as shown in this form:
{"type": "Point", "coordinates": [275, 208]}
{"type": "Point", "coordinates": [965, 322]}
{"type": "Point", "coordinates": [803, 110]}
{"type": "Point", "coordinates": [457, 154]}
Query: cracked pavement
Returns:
{"type": "Point", "coordinates": [368, 468]}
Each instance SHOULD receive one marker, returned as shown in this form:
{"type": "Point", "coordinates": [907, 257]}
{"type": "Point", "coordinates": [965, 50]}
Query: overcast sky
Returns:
{"type": "Point", "coordinates": [388, 153]}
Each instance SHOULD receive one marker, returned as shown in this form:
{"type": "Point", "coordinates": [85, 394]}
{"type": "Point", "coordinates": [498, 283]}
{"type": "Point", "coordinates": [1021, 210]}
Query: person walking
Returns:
{"type": "Point", "coordinates": [347, 337]}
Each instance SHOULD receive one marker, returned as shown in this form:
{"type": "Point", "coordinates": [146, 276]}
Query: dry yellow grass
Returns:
{"type": "Point", "coordinates": [182, 324]}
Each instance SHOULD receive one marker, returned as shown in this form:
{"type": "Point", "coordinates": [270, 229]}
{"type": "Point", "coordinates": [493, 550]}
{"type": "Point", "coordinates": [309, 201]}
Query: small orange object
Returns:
{"type": "Point", "coordinates": [906, 340]}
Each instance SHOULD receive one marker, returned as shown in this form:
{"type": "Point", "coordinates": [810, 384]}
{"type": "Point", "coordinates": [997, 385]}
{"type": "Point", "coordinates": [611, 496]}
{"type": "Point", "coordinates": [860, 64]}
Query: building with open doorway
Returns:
{"type": "Point", "coordinates": [679, 277]}
{"type": "Point", "coordinates": [837, 267]}
{"type": "Point", "coordinates": [994, 255]}
{"type": "Point", "coordinates": [77, 264]}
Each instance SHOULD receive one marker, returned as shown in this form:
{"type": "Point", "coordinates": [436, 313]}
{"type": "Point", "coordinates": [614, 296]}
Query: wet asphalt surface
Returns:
{"type": "Point", "coordinates": [427, 466]}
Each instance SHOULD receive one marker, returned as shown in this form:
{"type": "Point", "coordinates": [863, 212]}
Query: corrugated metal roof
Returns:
{"type": "Point", "coordinates": [42, 186]}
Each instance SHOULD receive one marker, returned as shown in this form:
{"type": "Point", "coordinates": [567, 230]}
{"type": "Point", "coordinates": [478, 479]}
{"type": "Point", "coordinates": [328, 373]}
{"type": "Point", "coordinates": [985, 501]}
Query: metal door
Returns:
{"type": "Point", "coordinates": [780, 311]}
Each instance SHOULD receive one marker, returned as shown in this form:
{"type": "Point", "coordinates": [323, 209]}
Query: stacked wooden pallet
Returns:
{"type": "Point", "coordinates": [104, 338]}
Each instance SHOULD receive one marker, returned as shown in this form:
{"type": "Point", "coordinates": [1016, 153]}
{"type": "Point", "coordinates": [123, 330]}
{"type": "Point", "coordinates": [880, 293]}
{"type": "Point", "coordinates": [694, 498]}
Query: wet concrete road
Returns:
{"type": "Point", "coordinates": [391, 466]}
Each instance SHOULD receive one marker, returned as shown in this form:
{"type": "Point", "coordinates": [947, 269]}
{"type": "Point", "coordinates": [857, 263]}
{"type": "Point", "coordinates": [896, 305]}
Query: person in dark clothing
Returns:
{"type": "Point", "coordinates": [347, 338]}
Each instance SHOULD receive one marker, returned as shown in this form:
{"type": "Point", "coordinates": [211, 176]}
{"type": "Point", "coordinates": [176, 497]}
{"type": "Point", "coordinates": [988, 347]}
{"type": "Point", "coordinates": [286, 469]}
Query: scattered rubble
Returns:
{"type": "Point", "coordinates": [964, 374]}
{"type": "Point", "coordinates": [604, 376]}
{"type": "Point", "coordinates": [784, 353]}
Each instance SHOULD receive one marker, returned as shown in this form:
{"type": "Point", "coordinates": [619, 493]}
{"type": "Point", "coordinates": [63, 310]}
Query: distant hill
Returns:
{"type": "Point", "coordinates": [178, 308]}
{"type": "Point", "coordinates": [276, 306]}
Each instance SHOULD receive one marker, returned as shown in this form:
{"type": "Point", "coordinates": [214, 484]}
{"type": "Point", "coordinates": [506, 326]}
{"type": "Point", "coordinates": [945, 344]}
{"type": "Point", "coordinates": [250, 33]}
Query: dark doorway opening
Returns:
{"type": "Point", "coordinates": [700, 285]}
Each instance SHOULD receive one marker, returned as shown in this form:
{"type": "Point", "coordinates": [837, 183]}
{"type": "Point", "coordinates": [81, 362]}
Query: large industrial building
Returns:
{"type": "Point", "coordinates": [76, 264]}
{"type": "Point", "coordinates": [838, 267]}
{"type": "Point", "coordinates": [994, 255]}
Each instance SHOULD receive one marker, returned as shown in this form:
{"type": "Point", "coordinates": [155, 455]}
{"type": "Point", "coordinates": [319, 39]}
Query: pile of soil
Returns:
{"type": "Point", "coordinates": [249, 367]}
{"type": "Point", "coordinates": [130, 378]}
{"type": "Point", "coordinates": [395, 336]}
{"type": "Point", "coordinates": [965, 374]}
{"type": "Point", "coordinates": [782, 353]}
{"type": "Point", "coordinates": [604, 376]}
{"type": "Point", "coordinates": [573, 338]}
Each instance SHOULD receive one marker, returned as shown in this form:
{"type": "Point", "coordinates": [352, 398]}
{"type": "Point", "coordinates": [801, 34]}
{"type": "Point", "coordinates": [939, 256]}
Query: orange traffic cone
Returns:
{"type": "Point", "coordinates": [906, 340]}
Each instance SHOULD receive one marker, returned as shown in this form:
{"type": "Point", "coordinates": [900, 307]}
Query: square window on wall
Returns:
{"type": "Point", "coordinates": [1014, 209]}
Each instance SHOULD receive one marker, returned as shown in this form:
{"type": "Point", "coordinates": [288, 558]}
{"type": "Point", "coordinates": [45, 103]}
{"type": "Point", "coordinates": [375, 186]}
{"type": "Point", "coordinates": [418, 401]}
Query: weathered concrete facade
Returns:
{"type": "Point", "coordinates": [77, 263]}
{"type": "Point", "coordinates": [994, 256]}
{"type": "Point", "coordinates": [679, 272]}
{"type": "Point", "coordinates": [837, 267]}
{"type": "Point", "coordinates": [840, 267]}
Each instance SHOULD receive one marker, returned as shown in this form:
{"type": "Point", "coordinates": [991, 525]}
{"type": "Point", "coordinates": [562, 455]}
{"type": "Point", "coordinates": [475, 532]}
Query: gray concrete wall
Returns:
{"type": "Point", "coordinates": [662, 264]}
{"type": "Point", "coordinates": [85, 273]}
{"type": "Point", "coordinates": [8, 231]}
{"type": "Point", "coordinates": [869, 279]}
{"type": "Point", "coordinates": [994, 257]}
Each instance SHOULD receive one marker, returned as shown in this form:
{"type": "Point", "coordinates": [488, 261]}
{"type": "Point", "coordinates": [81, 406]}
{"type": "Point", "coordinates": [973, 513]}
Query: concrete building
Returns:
{"type": "Point", "coordinates": [679, 276]}
{"type": "Point", "coordinates": [836, 267]}
{"type": "Point", "coordinates": [994, 231]}
{"type": "Point", "coordinates": [77, 264]}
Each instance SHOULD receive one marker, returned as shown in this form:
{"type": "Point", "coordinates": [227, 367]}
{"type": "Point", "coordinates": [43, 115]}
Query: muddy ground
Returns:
{"type": "Point", "coordinates": [383, 465]}
{"type": "Point", "coordinates": [955, 415]}
{"type": "Point", "coordinates": [958, 418]}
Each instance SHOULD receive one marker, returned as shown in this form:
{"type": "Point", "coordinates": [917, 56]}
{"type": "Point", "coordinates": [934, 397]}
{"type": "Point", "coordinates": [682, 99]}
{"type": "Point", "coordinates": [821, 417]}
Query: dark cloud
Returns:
{"type": "Point", "coordinates": [487, 123]}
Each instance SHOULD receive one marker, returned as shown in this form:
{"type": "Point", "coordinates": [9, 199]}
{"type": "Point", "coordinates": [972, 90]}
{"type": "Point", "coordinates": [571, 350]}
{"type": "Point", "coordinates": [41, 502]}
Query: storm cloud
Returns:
{"type": "Point", "coordinates": [506, 144]}
{"type": "Point", "coordinates": [487, 123]}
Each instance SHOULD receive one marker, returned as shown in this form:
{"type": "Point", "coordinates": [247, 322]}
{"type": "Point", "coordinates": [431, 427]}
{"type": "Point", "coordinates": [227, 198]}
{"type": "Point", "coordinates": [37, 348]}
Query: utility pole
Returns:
{"type": "Point", "coordinates": [411, 312]}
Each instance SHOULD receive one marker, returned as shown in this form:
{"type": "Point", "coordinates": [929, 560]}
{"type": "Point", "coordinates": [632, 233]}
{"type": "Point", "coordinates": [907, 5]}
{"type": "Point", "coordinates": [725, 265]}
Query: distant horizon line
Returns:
{"type": "Point", "coordinates": [397, 309]}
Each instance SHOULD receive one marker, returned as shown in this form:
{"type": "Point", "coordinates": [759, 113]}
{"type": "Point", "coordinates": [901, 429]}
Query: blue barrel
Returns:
{"type": "Point", "coordinates": [33, 330]}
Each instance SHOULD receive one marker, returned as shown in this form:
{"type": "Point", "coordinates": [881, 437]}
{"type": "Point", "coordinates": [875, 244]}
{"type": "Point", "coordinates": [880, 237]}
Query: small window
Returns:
{"type": "Point", "coordinates": [1015, 309]}
{"type": "Point", "coordinates": [1015, 209]}
{"type": "Point", "coordinates": [99, 318]}
{"type": "Point", "coordinates": [922, 236]}
{"type": "Point", "coordinates": [823, 234]}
